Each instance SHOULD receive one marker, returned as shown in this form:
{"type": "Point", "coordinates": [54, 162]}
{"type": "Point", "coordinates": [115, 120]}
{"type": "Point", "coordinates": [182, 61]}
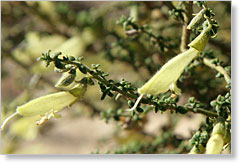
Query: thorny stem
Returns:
{"type": "Point", "coordinates": [220, 69]}
{"type": "Point", "coordinates": [129, 95]}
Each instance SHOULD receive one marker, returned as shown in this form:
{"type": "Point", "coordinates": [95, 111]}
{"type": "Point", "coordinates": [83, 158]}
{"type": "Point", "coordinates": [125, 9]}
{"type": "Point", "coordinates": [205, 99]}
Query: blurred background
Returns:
{"type": "Point", "coordinates": [89, 29]}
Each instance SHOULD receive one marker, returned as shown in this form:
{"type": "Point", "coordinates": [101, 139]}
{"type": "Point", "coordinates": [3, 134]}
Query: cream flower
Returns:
{"type": "Point", "coordinates": [168, 75]}
{"type": "Point", "coordinates": [47, 106]}
{"type": "Point", "coordinates": [41, 105]}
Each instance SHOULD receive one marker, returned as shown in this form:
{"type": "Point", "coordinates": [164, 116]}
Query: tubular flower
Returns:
{"type": "Point", "coordinates": [41, 105]}
{"type": "Point", "coordinates": [47, 106]}
{"type": "Point", "coordinates": [166, 78]}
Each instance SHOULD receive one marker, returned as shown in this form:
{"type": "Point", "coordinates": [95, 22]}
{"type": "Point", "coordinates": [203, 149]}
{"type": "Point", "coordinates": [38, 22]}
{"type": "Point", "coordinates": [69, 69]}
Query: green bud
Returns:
{"type": "Point", "coordinates": [155, 109]}
{"type": "Point", "coordinates": [66, 79]}
{"type": "Point", "coordinates": [219, 98]}
{"type": "Point", "coordinates": [72, 58]}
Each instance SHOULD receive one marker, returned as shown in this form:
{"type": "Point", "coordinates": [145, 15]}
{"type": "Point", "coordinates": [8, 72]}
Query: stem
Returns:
{"type": "Point", "coordinates": [220, 69]}
{"type": "Point", "coordinates": [185, 32]}
{"type": "Point", "coordinates": [205, 112]}
{"type": "Point", "coordinates": [131, 95]}
{"type": "Point", "coordinates": [7, 119]}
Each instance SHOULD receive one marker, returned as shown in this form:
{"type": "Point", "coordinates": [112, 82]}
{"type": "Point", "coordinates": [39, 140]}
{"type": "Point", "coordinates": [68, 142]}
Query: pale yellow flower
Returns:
{"type": "Point", "coordinates": [47, 106]}
{"type": "Point", "coordinates": [41, 105]}
{"type": "Point", "coordinates": [167, 76]}
{"type": "Point", "coordinates": [165, 79]}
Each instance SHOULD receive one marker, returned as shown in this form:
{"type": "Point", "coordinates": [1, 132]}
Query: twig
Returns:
{"type": "Point", "coordinates": [220, 69]}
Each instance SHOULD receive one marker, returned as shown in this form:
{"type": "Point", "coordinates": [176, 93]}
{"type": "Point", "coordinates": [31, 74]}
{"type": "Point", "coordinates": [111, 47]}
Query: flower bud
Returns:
{"type": "Point", "coordinates": [197, 19]}
{"type": "Point", "coordinates": [66, 79]}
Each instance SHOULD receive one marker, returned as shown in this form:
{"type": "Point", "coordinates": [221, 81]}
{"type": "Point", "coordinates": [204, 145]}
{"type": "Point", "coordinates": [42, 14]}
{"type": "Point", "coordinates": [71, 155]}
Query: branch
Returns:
{"type": "Point", "coordinates": [131, 95]}
{"type": "Point", "coordinates": [185, 32]}
{"type": "Point", "coordinates": [220, 69]}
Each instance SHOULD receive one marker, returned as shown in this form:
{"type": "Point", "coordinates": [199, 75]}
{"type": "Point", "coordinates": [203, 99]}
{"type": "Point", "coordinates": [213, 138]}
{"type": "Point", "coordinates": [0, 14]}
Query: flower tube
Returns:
{"type": "Point", "coordinates": [166, 78]}
{"type": "Point", "coordinates": [47, 106]}
{"type": "Point", "coordinates": [41, 105]}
